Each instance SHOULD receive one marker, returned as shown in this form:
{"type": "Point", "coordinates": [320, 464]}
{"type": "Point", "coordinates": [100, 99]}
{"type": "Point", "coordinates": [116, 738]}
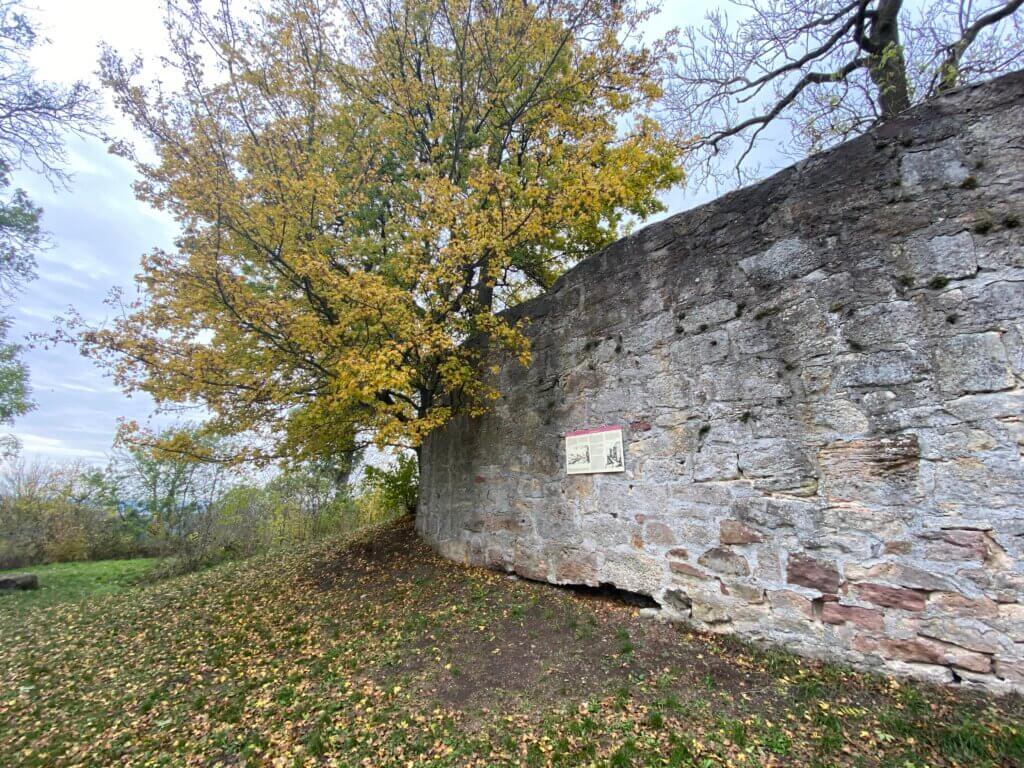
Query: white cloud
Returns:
{"type": "Point", "coordinates": [40, 446]}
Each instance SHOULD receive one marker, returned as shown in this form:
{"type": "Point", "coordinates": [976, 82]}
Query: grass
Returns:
{"type": "Point", "coordinates": [69, 582]}
{"type": "Point", "coordinates": [377, 652]}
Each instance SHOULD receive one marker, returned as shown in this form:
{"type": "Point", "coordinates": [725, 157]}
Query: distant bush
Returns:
{"type": "Point", "coordinates": [185, 506]}
{"type": "Point", "coordinates": [394, 489]}
{"type": "Point", "coordinates": [51, 513]}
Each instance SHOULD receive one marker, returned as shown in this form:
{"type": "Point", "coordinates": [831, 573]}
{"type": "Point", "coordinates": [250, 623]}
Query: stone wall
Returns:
{"type": "Point", "coordinates": [819, 380]}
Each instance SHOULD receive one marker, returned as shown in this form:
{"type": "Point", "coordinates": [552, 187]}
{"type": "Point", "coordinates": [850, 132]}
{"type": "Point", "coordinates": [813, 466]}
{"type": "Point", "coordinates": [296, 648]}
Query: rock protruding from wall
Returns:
{"type": "Point", "coordinates": [819, 379]}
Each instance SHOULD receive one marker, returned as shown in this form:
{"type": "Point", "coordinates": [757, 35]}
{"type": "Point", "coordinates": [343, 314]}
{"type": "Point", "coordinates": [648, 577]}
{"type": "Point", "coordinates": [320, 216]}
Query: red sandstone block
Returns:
{"type": "Point", "coordinates": [892, 597]}
{"type": "Point", "coordinates": [868, 618]}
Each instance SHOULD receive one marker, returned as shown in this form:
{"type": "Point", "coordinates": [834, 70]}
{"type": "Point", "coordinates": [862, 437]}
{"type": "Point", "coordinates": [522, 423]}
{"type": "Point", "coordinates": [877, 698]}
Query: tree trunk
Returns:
{"type": "Point", "coordinates": [484, 289]}
{"type": "Point", "coordinates": [419, 477]}
{"type": "Point", "coordinates": [888, 66]}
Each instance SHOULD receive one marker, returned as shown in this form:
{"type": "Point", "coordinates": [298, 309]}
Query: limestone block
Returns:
{"type": "Point", "coordinates": [790, 611]}
{"type": "Point", "coordinates": [960, 441]}
{"type": "Point", "coordinates": [559, 524]}
{"type": "Point", "coordinates": [786, 259]}
{"type": "Point", "coordinates": [780, 512]}
{"type": "Point", "coordinates": [749, 593]}
{"type": "Point", "coordinates": [712, 347]}
{"type": "Point", "coordinates": [998, 301]}
{"type": "Point", "coordinates": [815, 378]}
{"type": "Point", "coordinates": [684, 569]}
{"type": "Point", "coordinates": [900, 574]}
{"type": "Point", "coordinates": [769, 568]}
{"type": "Point", "coordinates": [658, 534]}
{"type": "Point", "coordinates": [778, 461]}
{"type": "Point", "coordinates": [974, 362]}
{"type": "Point", "coordinates": [965, 633]}
{"type": "Point", "coordinates": [722, 560]}
{"type": "Point", "coordinates": [716, 461]}
{"type": "Point", "coordinates": [753, 381]}
{"type": "Point", "coordinates": [1013, 340]}
{"type": "Point", "coordinates": [749, 338]}
{"type": "Point", "coordinates": [956, 604]}
{"type": "Point", "coordinates": [842, 416]}
{"type": "Point", "coordinates": [893, 324]}
{"type": "Point", "coordinates": [923, 650]}
{"type": "Point", "coordinates": [928, 673]}
{"type": "Point", "coordinates": [531, 564]}
{"type": "Point", "coordinates": [938, 167]}
{"type": "Point", "coordinates": [959, 544]}
{"type": "Point", "coordinates": [805, 330]}
{"type": "Point", "coordinates": [710, 611]}
{"type": "Point", "coordinates": [883, 369]}
{"type": "Point", "coordinates": [576, 566]}
{"type": "Point", "coordinates": [1001, 586]}
{"type": "Point", "coordinates": [881, 470]}
{"type": "Point", "coordinates": [940, 258]}
{"type": "Point", "coordinates": [699, 319]}
{"type": "Point", "coordinates": [677, 602]}
{"type": "Point", "coordinates": [957, 482]}
{"type": "Point", "coordinates": [1009, 670]}
{"type": "Point", "coordinates": [1010, 621]}
{"type": "Point", "coordinates": [498, 558]}
{"type": "Point", "coordinates": [634, 571]}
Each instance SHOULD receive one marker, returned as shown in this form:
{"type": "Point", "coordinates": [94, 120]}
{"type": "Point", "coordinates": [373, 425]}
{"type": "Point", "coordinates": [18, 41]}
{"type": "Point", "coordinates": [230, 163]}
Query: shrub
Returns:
{"type": "Point", "coordinates": [395, 488]}
{"type": "Point", "coordinates": [180, 506]}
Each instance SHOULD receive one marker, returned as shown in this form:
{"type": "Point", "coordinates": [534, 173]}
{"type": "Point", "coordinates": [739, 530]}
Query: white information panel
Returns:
{"type": "Point", "coordinates": [594, 450]}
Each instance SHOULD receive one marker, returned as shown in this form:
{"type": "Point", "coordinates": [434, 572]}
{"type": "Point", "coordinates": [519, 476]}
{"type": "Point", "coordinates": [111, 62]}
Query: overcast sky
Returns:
{"type": "Point", "coordinates": [99, 230]}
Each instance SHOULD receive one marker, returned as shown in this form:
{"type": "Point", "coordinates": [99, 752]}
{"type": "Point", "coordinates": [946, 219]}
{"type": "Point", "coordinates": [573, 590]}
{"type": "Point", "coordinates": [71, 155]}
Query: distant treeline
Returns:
{"type": "Point", "coordinates": [147, 503]}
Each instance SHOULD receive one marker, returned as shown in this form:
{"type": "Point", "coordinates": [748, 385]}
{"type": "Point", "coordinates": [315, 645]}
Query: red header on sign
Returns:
{"type": "Point", "coordinates": [593, 431]}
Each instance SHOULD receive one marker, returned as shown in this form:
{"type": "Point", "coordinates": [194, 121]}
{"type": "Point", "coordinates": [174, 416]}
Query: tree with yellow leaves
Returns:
{"type": "Point", "coordinates": [362, 186]}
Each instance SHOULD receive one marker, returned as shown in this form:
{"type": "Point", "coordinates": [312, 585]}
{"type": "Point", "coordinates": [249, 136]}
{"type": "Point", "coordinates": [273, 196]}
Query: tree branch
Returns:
{"type": "Point", "coordinates": [948, 73]}
{"type": "Point", "coordinates": [811, 78]}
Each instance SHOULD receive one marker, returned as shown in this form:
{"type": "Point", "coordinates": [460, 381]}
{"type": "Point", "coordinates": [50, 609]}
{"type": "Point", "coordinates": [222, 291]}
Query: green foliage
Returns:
{"type": "Point", "coordinates": [20, 238]}
{"type": "Point", "coordinates": [59, 514]}
{"type": "Point", "coordinates": [178, 501]}
{"type": "Point", "coordinates": [201, 509]}
{"type": "Point", "coordinates": [15, 397]}
{"type": "Point", "coordinates": [395, 488]}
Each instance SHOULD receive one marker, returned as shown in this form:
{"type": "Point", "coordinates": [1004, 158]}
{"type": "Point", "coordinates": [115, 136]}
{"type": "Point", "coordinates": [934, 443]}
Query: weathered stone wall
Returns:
{"type": "Point", "coordinates": [820, 384]}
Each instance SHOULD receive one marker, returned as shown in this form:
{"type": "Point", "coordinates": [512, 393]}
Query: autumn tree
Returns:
{"type": "Point", "coordinates": [362, 186]}
{"type": "Point", "coordinates": [826, 70]}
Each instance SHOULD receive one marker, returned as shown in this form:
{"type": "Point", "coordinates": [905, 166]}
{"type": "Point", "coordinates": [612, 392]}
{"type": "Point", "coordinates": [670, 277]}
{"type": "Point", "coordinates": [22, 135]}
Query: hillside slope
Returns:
{"type": "Point", "coordinates": [377, 652]}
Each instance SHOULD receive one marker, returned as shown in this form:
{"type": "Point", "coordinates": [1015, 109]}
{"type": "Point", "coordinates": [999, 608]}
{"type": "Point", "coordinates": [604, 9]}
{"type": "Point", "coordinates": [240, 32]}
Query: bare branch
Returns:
{"type": "Point", "coordinates": [948, 73]}
{"type": "Point", "coordinates": [811, 78]}
{"type": "Point", "coordinates": [821, 72]}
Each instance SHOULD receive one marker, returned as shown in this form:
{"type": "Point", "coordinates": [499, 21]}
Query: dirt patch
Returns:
{"type": "Point", "coordinates": [532, 655]}
{"type": "Point", "coordinates": [391, 552]}
{"type": "Point", "coordinates": [478, 642]}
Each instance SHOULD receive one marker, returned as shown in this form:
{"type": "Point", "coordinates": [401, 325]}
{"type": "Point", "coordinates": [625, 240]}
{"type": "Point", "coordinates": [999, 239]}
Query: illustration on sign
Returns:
{"type": "Point", "coordinates": [594, 450]}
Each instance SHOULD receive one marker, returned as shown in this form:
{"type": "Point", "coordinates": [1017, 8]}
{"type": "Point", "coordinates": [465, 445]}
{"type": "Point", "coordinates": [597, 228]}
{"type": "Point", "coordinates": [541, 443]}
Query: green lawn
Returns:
{"type": "Point", "coordinates": [65, 582]}
{"type": "Point", "coordinates": [379, 653]}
